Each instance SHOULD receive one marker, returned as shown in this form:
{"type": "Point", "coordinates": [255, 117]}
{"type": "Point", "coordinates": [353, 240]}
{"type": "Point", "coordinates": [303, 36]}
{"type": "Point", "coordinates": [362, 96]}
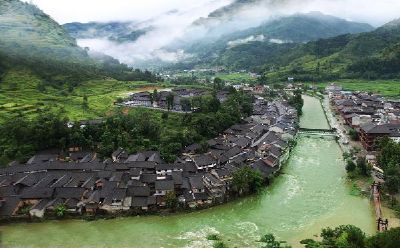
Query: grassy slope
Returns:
{"type": "Point", "coordinates": [19, 94]}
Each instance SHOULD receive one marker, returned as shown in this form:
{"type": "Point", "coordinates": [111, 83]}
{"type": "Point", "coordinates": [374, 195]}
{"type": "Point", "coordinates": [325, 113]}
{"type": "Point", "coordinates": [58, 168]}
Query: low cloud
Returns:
{"type": "Point", "coordinates": [169, 28]}
{"type": "Point", "coordinates": [251, 38]}
{"type": "Point", "coordinates": [254, 38]}
{"type": "Point", "coordinates": [162, 31]}
{"type": "Point", "coordinates": [132, 52]}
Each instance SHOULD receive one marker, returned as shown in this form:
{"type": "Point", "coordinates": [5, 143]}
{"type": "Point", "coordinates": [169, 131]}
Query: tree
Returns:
{"type": "Point", "coordinates": [387, 239]}
{"type": "Point", "coordinates": [154, 97]}
{"type": "Point", "coordinates": [389, 160]}
{"type": "Point", "coordinates": [119, 100]}
{"type": "Point", "coordinates": [164, 116]}
{"type": "Point", "coordinates": [219, 244]}
{"type": "Point", "coordinates": [170, 101]}
{"type": "Point", "coordinates": [171, 200]}
{"type": "Point", "coordinates": [392, 184]}
{"type": "Point", "coordinates": [186, 104]}
{"type": "Point", "coordinates": [350, 165]}
{"type": "Point", "coordinates": [297, 102]}
{"type": "Point", "coordinates": [362, 166]}
{"type": "Point", "coordinates": [353, 134]}
{"type": "Point", "coordinates": [344, 236]}
{"type": "Point", "coordinates": [85, 103]}
{"type": "Point", "coordinates": [349, 236]}
{"type": "Point", "coordinates": [271, 242]}
{"type": "Point", "coordinates": [246, 180]}
{"type": "Point", "coordinates": [218, 84]}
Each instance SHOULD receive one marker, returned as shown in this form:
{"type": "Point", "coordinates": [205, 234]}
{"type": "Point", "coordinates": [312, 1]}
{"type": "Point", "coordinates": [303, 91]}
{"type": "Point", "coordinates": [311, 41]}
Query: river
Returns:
{"type": "Point", "coordinates": [312, 193]}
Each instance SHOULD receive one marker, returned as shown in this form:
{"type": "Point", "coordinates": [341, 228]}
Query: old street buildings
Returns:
{"type": "Point", "coordinates": [370, 116]}
{"type": "Point", "coordinates": [143, 181]}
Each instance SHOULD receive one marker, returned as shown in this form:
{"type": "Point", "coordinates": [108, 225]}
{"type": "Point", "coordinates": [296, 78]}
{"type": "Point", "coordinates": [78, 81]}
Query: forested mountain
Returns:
{"type": "Point", "coordinates": [368, 55]}
{"type": "Point", "coordinates": [300, 28]}
{"type": "Point", "coordinates": [249, 48]}
{"type": "Point", "coordinates": [277, 50]}
{"type": "Point", "coordinates": [31, 40]}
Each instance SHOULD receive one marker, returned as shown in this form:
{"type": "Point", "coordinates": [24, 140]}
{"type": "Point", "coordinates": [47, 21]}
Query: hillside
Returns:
{"type": "Point", "coordinates": [31, 40]}
{"type": "Point", "coordinates": [42, 69]}
{"type": "Point", "coordinates": [301, 28]}
{"type": "Point", "coordinates": [370, 55]}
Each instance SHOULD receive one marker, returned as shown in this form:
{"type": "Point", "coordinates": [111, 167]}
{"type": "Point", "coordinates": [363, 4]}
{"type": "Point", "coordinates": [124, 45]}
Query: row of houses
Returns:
{"type": "Point", "coordinates": [371, 116]}
{"type": "Point", "coordinates": [177, 99]}
{"type": "Point", "coordinates": [143, 181]}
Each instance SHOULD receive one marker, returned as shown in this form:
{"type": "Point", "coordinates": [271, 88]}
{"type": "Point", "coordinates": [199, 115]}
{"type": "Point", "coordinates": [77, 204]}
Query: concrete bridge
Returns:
{"type": "Point", "coordinates": [318, 131]}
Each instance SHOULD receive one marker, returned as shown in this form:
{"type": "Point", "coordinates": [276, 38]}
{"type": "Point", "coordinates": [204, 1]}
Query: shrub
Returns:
{"type": "Point", "coordinates": [350, 166]}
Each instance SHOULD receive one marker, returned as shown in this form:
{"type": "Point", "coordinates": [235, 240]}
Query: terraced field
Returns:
{"type": "Point", "coordinates": [20, 95]}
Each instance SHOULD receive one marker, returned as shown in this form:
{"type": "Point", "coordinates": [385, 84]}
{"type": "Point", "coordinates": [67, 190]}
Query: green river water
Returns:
{"type": "Point", "coordinates": [312, 193]}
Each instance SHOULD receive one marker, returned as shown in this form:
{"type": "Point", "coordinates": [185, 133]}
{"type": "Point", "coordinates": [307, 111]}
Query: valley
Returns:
{"type": "Point", "coordinates": [214, 123]}
{"type": "Point", "coordinates": [291, 208]}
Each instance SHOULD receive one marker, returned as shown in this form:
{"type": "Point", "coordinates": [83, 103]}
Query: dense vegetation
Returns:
{"type": "Point", "coordinates": [348, 236]}
{"type": "Point", "coordinates": [389, 160]}
{"type": "Point", "coordinates": [246, 180]}
{"type": "Point", "coordinates": [137, 130]}
{"type": "Point", "coordinates": [344, 236]}
{"type": "Point", "coordinates": [297, 102]}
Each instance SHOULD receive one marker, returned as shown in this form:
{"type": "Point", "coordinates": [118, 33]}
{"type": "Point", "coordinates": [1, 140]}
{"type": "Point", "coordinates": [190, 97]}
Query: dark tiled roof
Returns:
{"type": "Point", "coordinates": [389, 129]}
{"type": "Point", "coordinates": [8, 206]}
{"type": "Point", "coordinates": [37, 193]}
{"type": "Point", "coordinates": [164, 185]}
{"type": "Point", "coordinates": [148, 178]}
{"type": "Point", "coordinates": [204, 159]}
{"type": "Point", "coordinates": [196, 182]}
{"type": "Point", "coordinates": [138, 191]}
{"type": "Point", "coordinates": [139, 201]}
{"type": "Point", "coordinates": [69, 193]}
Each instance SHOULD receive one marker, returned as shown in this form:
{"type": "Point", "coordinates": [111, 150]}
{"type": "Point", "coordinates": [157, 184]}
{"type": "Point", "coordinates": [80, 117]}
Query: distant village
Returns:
{"type": "Point", "coordinates": [369, 115]}
{"type": "Point", "coordinates": [177, 99]}
{"type": "Point", "coordinates": [142, 182]}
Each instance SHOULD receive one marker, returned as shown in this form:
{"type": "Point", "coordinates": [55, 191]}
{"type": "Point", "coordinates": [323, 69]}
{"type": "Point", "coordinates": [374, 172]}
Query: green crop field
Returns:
{"type": "Point", "coordinates": [387, 88]}
{"type": "Point", "coordinates": [237, 77]}
{"type": "Point", "coordinates": [19, 95]}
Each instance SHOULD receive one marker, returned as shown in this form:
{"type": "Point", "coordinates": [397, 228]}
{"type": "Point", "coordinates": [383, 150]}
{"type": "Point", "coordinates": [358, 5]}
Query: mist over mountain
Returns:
{"type": "Point", "coordinates": [241, 34]}
{"type": "Point", "coordinates": [115, 31]}
{"type": "Point", "coordinates": [297, 28]}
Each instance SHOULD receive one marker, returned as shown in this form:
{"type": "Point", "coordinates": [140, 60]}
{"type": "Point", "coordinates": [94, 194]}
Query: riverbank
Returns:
{"type": "Point", "coordinates": [361, 183]}
{"type": "Point", "coordinates": [310, 194]}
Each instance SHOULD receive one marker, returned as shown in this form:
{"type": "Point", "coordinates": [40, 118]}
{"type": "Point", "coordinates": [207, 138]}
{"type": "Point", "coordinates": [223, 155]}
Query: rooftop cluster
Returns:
{"type": "Point", "coordinates": [201, 176]}
{"type": "Point", "coordinates": [371, 116]}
